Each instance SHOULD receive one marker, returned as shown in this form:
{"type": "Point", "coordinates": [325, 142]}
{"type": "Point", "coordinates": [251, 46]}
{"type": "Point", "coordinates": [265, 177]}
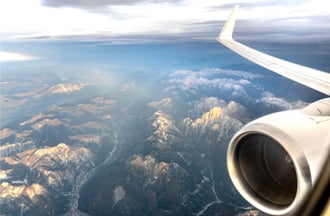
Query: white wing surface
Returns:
{"type": "Point", "coordinates": [315, 79]}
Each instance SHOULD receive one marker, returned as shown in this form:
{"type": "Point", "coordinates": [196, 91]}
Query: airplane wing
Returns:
{"type": "Point", "coordinates": [315, 79]}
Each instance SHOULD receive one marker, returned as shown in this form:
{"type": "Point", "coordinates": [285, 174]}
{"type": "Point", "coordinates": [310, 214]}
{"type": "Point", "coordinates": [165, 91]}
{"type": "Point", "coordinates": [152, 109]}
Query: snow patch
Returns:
{"type": "Point", "coordinates": [118, 195]}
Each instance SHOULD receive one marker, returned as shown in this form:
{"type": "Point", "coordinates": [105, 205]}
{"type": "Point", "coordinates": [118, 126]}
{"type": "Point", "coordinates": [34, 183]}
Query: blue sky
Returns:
{"type": "Point", "coordinates": [164, 18]}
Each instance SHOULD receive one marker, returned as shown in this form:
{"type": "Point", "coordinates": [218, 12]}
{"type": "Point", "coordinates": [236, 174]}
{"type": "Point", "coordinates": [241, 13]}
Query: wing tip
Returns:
{"type": "Point", "coordinates": [228, 29]}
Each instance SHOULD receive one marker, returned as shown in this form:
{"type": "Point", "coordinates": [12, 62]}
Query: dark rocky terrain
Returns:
{"type": "Point", "coordinates": [111, 153]}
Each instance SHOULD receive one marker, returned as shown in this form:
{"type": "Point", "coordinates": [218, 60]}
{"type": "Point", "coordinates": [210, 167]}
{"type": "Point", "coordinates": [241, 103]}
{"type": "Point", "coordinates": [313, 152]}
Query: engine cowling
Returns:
{"type": "Point", "coordinates": [274, 161]}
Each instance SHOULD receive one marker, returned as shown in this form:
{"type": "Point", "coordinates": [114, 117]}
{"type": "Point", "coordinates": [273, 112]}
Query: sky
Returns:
{"type": "Point", "coordinates": [196, 19]}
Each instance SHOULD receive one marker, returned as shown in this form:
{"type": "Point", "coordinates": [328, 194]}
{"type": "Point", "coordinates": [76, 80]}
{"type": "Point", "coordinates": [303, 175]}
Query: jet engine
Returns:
{"type": "Point", "coordinates": [274, 161]}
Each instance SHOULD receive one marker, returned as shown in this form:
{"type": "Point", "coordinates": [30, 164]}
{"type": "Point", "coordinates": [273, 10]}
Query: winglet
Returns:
{"type": "Point", "coordinates": [315, 79]}
{"type": "Point", "coordinates": [227, 30]}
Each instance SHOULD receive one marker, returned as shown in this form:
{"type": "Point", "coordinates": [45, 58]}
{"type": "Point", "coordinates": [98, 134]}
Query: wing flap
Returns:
{"type": "Point", "coordinates": [315, 79]}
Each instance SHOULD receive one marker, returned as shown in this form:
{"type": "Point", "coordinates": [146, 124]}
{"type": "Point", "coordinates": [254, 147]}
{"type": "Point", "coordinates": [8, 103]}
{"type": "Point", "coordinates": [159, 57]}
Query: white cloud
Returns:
{"type": "Point", "coordinates": [92, 4]}
{"type": "Point", "coordinates": [237, 111]}
{"type": "Point", "coordinates": [270, 100]}
{"type": "Point", "coordinates": [30, 17]}
{"type": "Point", "coordinates": [199, 107]}
{"type": "Point", "coordinates": [208, 87]}
{"type": "Point", "coordinates": [209, 80]}
{"type": "Point", "coordinates": [194, 84]}
{"type": "Point", "coordinates": [10, 56]}
{"type": "Point", "coordinates": [208, 72]}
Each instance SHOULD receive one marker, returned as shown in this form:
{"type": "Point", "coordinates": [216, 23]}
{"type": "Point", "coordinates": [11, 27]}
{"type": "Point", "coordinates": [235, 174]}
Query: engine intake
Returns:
{"type": "Point", "coordinates": [275, 160]}
{"type": "Point", "coordinates": [267, 169]}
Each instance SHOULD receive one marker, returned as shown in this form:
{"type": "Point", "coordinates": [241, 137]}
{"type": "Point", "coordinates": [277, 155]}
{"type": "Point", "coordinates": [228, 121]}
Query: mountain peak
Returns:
{"type": "Point", "coordinates": [208, 118]}
{"type": "Point", "coordinates": [213, 114]}
{"type": "Point", "coordinates": [165, 131]}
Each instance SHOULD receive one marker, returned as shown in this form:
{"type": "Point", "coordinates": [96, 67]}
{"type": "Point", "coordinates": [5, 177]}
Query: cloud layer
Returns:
{"type": "Point", "coordinates": [278, 20]}
{"type": "Point", "coordinates": [211, 79]}
{"type": "Point", "coordinates": [11, 56]}
{"type": "Point", "coordinates": [97, 3]}
{"type": "Point", "coordinates": [237, 92]}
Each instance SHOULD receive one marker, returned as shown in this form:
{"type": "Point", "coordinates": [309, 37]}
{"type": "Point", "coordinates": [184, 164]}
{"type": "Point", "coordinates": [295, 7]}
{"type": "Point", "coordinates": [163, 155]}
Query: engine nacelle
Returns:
{"type": "Point", "coordinates": [275, 160]}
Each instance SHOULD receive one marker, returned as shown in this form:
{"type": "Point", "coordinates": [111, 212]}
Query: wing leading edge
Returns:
{"type": "Point", "coordinates": [315, 79]}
